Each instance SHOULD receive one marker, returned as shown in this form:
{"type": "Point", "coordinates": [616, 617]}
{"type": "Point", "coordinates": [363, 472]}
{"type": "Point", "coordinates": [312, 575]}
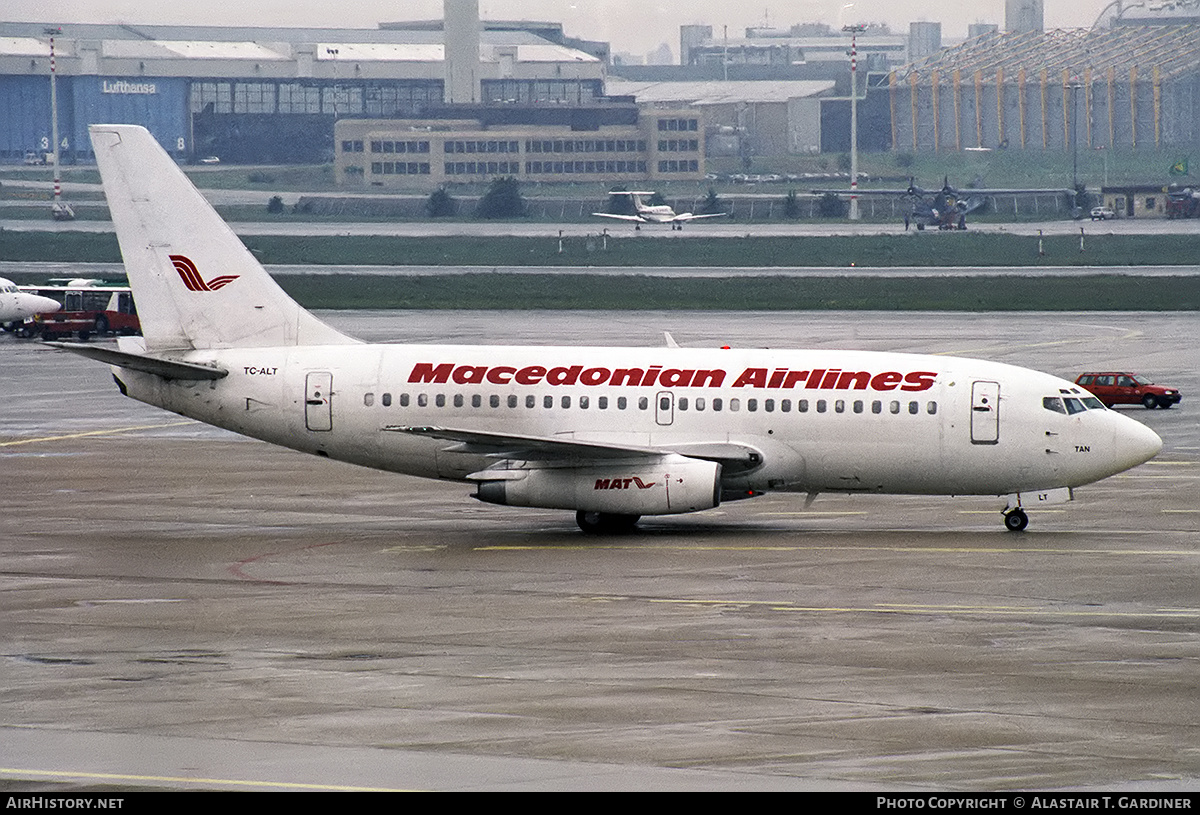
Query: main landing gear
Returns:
{"type": "Point", "coordinates": [1015, 520]}
{"type": "Point", "coordinates": [605, 523]}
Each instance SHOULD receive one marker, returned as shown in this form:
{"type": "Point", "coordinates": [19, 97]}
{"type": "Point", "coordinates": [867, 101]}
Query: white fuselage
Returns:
{"type": "Point", "coordinates": [660, 214]}
{"type": "Point", "coordinates": [820, 420]}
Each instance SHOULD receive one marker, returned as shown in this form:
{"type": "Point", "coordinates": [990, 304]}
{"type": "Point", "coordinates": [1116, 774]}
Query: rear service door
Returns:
{"type": "Point", "coordinates": [318, 400]}
{"type": "Point", "coordinates": [985, 413]}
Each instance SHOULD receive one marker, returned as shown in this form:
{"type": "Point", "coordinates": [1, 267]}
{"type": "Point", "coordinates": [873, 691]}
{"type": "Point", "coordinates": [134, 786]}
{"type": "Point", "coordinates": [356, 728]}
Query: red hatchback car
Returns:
{"type": "Point", "coordinates": [1129, 389]}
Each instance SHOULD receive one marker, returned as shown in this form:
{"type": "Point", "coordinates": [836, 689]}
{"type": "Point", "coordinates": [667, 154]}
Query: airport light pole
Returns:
{"type": "Point", "coordinates": [1075, 85]}
{"type": "Point", "coordinates": [854, 31]}
{"type": "Point", "coordinates": [58, 210]}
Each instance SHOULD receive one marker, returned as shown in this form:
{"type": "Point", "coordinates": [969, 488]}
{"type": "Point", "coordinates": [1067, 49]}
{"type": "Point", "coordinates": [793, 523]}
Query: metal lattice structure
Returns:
{"type": "Point", "coordinates": [1126, 86]}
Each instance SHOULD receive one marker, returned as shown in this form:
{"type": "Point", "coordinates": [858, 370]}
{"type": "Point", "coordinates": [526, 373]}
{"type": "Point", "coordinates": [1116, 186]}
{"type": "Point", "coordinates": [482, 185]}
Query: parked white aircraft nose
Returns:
{"type": "Point", "coordinates": [42, 305]}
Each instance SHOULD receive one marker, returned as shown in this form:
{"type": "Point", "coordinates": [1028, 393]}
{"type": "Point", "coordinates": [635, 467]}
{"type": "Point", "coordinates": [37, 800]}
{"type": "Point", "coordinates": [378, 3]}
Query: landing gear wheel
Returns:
{"type": "Point", "coordinates": [1149, 401]}
{"type": "Point", "coordinates": [605, 523]}
{"type": "Point", "coordinates": [1015, 520]}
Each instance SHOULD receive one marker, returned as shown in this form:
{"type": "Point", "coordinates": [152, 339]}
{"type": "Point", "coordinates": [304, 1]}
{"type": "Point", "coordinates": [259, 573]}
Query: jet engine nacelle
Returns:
{"type": "Point", "coordinates": [670, 485]}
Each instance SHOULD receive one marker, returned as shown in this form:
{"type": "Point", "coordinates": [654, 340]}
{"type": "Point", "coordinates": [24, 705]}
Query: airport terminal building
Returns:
{"type": "Point", "coordinates": [252, 95]}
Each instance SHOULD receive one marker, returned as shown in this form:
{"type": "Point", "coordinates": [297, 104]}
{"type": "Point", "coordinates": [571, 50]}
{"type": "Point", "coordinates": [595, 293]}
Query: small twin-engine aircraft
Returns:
{"type": "Point", "coordinates": [656, 214]}
{"type": "Point", "coordinates": [609, 433]}
{"type": "Point", "coordinates": [948, 207]}
{"type": "Point", "coordinates": [17, 305]}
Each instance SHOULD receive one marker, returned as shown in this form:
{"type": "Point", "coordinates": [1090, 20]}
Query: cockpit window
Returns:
{"type": "Point", "coordinates": [1074, 405]}
{"type": "Point", "coordinates": [1093, 403]}
{"type": "Point", "coordinates": [1053, 403]}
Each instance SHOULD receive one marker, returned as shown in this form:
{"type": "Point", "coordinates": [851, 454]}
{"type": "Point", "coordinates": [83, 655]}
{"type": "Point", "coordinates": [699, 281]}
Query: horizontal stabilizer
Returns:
{"type": "Point", "coordinates": [166, 368]}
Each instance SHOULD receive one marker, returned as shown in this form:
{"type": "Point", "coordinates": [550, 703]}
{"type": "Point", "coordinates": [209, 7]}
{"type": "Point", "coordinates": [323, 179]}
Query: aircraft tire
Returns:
{"type": "Point", "coordinates": [1015, 520]}
{"type": "Point", "coordinates": [604, 523]}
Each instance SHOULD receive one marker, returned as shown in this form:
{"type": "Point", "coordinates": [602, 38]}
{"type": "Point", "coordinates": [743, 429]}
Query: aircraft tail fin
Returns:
{"type": "Point", "coordinates": [194, 282]}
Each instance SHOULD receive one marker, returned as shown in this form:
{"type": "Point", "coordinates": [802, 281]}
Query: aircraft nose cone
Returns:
{"type": "Point", "coordinates": [45, 305]}
{"type": "Point", "coordinates": [1136, 443]}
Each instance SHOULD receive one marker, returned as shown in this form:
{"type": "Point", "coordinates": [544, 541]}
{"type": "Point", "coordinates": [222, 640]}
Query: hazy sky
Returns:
{"type": "Point", "coordinates": [630, 25]}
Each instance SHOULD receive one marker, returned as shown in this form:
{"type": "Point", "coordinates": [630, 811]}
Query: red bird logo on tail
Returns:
{"type": "Point", "coordinates": [191, 275]}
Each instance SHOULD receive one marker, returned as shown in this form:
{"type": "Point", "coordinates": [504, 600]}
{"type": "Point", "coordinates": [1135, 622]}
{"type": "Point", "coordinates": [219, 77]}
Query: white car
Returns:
{"type": "Point", "coordinates": [1102, 213]}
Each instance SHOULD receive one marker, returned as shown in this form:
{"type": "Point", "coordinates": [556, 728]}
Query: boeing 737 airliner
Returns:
{"type": "Point", "coordinates": [611, 433]}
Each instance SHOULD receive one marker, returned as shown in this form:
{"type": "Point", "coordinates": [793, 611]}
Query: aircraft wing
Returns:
{"type": "Point", "coordinates": [637, 218]}
{"type": "Point", "coordinates": [559, 448]}
{"type": "Point", "coordinates": [166, 368]}
{"type": "Point", "coordinates": [687, 216]}
{"type": "Point", "coordinates": [971, 191]}
{"type": "Point", "coordinates": [510, 445]}
{"type": "Point", "coordinates": [860, 193]}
